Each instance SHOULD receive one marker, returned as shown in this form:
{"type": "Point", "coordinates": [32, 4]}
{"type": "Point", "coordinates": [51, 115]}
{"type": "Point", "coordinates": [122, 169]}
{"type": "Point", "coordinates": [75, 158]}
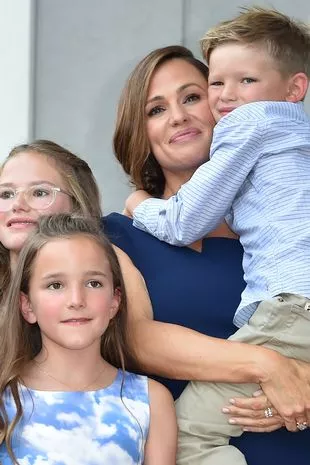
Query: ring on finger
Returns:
{"type": "Point", "coordinates": [301, 426]}
{"type": "Point", "coordinates": [268, 413]}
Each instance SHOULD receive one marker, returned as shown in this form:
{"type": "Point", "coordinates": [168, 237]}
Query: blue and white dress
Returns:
{"type": "Point", "coordinates": [107, 426]}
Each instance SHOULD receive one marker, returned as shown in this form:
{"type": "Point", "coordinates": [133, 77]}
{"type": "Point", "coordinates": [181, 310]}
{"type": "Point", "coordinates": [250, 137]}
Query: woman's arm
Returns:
{"type": "Point", "coordinates": [177, 352]}
{"type": "Point", "coordinates": [161, 444]}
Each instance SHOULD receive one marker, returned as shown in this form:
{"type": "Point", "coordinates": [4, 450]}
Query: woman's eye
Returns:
{"type": "Point", "coordinates": [192, 98]}
{"type": "Point", "coordinates": [54, 286]}
{"type": "Point", "coordinates": [94, 284]}
{"type": "Point", "coordinates": [155, 111]}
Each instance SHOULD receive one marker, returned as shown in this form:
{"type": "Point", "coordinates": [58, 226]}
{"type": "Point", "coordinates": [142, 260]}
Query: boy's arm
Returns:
{"type": "Point", "coordinates": [161, 444]}
{"type": "Point", "coordinates": [200, 205]}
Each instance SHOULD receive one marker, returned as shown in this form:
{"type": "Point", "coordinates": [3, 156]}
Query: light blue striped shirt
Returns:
{"type": "Point", "coordinates": [258, 177]}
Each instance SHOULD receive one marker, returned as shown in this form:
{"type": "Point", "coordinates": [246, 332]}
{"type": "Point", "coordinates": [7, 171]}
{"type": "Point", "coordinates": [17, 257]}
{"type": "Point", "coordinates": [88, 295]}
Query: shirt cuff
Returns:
{"type": "Point", "coordinates": [146, 216]}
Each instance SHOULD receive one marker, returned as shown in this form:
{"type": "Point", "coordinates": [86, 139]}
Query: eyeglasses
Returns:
{"type": "Point", "coordinates": [38, 197]}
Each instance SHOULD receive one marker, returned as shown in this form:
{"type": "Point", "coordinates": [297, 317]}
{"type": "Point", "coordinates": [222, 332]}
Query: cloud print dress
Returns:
{"type": "Point", "coordinates": [82, 428]}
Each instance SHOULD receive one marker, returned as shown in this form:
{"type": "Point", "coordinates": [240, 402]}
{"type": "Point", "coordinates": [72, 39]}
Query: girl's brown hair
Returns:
{"type": "Point", "coordinates": [80, 184]}
{"type": "Point", "coordinates": [131, 145]}
{"type": "Point", "coordinates": [21, 341]}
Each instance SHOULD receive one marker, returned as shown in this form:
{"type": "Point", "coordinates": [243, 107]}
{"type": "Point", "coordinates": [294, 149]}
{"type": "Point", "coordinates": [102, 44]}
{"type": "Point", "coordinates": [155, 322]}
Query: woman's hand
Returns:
{"type": "Point", "coordinates": [287, 386]}
{"type": "Point", "coordinates": [254, 414]}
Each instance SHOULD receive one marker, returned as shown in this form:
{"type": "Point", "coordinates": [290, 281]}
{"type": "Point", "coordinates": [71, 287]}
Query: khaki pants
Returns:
{"type": "Point", "coordinates": [282, 324]}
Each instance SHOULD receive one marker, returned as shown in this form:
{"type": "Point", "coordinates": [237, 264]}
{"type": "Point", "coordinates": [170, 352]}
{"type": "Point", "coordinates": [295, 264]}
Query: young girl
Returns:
{"type": "Point", "coordinates": [62, 334]}
{"type": "Point", "coordinates": [39, 178]}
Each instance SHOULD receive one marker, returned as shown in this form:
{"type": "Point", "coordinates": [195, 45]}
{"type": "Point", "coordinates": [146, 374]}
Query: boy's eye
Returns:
{"type": "Point", "coordinates": [54, 286]}
{"type": "Point", "coordinates": [155, 110]}
{"type": "Point", "coordinates": [215, 83]}
{"type": "Point", "coordinates": [94, 284]}
{"type": "Point", "coordinates": [192, 98]}
{"type": "Point", "coordinates": [248, 80]}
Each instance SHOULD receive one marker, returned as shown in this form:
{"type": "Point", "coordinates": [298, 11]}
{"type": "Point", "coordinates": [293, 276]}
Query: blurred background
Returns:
{"type": "Point", "coordinates": [64, 63]}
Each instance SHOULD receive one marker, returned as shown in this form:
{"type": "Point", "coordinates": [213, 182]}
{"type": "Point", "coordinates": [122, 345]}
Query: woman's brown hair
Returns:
{"type": "Point", "coordinates": [130, 141]}
{"type": "Point", "coordinates": [80, 184]}
{"type": "Point", "coordinates": [21, 341]}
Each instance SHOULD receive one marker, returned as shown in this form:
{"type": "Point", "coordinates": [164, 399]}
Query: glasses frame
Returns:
{"type": "Point", "coordinates": [25, 190]}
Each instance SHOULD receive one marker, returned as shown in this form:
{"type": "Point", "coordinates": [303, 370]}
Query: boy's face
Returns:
{"type": "Point", "coordinates": [242, 74]}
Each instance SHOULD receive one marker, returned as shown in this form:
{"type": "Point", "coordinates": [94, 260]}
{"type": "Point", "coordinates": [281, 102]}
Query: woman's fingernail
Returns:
{"type": "Point", "coordinates": [225, 410]}
{"type": "Point", "coordinates": [232, 401]}
{"type": "Point", "coordinates": [232, 421]}
{"type": "Point", "coordinates": [246, 429]}
{"type": "Point", "coordinates": [257, 393]}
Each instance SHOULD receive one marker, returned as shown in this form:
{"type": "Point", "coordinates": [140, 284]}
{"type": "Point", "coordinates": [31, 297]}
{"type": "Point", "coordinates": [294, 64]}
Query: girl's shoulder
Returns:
{"type": "Point", "coordinates": [132, 382]}
{"type": "Point", "coordinates": [159, 394]}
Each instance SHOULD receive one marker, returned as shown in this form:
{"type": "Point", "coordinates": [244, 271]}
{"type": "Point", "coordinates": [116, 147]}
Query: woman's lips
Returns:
{"type": "Point", "coordinates": [185, 135]}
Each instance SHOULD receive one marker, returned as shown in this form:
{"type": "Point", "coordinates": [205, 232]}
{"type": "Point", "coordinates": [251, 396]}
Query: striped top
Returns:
{"type": "Point", "coordinates": [258, 177]}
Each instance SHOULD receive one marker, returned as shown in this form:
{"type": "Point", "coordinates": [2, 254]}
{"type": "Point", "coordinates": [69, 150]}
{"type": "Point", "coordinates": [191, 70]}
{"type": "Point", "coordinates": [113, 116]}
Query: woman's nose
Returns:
{"type": "Point", "coordinates": [178, 115]}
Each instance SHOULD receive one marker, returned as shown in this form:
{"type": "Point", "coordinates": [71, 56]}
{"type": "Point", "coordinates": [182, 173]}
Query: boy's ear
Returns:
{"type": "Point", "coordinates": [298, 86]}
{"type": "Point", "coordinates": [115, 303]}
{"type": "Point", "coordinates": [26, 309]}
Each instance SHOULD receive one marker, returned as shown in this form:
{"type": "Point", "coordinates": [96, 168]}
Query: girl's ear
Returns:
{"type": "Point", "coordinates": [26, 309]}
{"type": "Point", "coordinates": [115, 303]}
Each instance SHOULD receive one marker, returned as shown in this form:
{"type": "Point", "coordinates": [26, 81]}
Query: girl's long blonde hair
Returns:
{"type": "Point", "coordinates": [79, 181]}
{"type": "Point", "coordinates": [21, 341]}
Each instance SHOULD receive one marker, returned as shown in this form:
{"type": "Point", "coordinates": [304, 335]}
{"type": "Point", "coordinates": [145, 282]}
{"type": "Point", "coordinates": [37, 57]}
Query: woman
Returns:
{"type": "Point", "coordinates": [194, 290]}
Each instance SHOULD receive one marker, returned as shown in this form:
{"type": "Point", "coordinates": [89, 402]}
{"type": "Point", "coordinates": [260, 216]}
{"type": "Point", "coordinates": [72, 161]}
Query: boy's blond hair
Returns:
{"type": "Point", "coordinates": [287, 41]}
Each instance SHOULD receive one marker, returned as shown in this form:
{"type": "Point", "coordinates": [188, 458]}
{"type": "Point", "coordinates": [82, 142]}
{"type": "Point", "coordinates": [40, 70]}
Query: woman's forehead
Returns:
{"type": "Point", "coordinates": [175, 73]}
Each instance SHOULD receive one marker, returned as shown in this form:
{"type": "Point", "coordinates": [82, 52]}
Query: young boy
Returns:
{"type": "Point", "coordinates": [258, 178]}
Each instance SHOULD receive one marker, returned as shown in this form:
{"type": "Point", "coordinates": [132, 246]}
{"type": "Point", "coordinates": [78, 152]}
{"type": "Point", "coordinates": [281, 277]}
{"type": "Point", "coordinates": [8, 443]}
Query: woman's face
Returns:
{"type": "Point", "coordinates": [21, 172]}
{"type": "Point", "coordinates": [179, 121]}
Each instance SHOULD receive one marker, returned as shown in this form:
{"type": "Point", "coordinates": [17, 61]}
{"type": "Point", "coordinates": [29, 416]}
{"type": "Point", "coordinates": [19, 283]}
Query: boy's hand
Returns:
{"type": "Point", "coordinates": [134, 200]}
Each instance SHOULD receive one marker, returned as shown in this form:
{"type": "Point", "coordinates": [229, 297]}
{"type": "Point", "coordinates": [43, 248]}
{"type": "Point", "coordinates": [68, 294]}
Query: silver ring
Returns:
{"type": "Point", "coordinates": [302, 426]}
{"type": "Point", "coordinates": [268, 413]}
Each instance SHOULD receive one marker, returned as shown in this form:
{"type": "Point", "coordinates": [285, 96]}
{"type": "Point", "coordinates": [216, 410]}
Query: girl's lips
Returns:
{"type": "Point", "coordinates": [20, 222]}
{"type": "Point", "coordinates": [76, 321]}
{"type": "Point", "coordinates": [21, 225]}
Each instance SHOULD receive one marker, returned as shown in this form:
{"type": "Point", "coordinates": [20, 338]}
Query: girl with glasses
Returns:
{"type": "Point", "coordinates": [40, 178]}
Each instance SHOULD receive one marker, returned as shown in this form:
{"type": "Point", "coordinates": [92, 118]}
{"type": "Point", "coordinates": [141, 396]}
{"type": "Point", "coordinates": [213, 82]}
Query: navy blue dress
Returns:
{"type": "Point", "coordinates": [201, 291]}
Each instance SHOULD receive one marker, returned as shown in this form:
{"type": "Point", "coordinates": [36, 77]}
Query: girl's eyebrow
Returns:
{"type": "Point", "coordinates": [34, 183]}
{"type": "Point", "coordinates": [180, 89]}
{"type": "Point", "coordinates": [58, 275]}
